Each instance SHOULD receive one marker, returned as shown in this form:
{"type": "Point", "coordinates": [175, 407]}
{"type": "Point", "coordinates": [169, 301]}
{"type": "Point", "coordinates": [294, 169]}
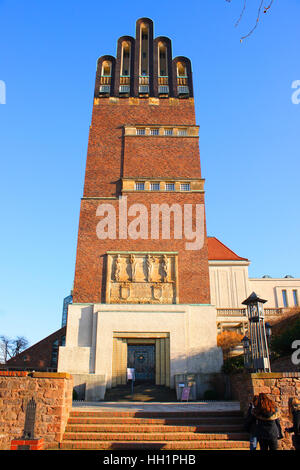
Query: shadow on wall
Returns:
{"type": "Point", "coordinates": [201, 371]}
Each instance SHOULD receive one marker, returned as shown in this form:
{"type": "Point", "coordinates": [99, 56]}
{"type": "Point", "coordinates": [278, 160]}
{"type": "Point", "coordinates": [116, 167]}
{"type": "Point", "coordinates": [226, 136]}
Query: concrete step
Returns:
{"type": "Point", "coordinates": [148, 445]}
{"type": "Point", "coordinates": [123, 427]}
{"type": "Point", "coordinates": [165, 421]}
{"type": "Point", "coordinates": [153, 436]}
{"type": "Point", "coordinates": [160, 429]}
{"type": "Point", "coordinates": [155, 414]}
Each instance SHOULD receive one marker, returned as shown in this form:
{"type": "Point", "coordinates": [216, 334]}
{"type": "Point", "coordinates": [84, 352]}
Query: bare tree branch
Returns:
{"type": "Point", "coordinates": [11, 347]}
{"type": "Point", "coordinates": [265, 10]}
{"type": "Point", "coordinates": [241, 15]}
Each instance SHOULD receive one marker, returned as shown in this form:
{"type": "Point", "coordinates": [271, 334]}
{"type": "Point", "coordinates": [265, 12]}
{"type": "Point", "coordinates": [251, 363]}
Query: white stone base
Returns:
{"type": "Point", "coordinates": [90, 329]}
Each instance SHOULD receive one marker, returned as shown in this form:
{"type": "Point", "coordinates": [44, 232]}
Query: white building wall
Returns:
{"type": "Point", "coordinates": [230, 285]}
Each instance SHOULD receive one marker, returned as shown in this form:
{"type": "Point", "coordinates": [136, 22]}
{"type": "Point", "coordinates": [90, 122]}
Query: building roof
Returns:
{"type": "Point", "coordinates": [218, 251]}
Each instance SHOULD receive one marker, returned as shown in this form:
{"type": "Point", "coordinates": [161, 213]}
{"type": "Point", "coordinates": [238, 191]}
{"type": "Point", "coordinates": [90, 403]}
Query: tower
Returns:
{"type": "Point", "coordinates": [141, 289]}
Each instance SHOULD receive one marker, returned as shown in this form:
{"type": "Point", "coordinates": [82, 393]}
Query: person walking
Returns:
{"type": "Point", "coordinates": [250, 424]}
{"type": "Point", "coordinates": [268, 428]}
{"type": "Point", "coordinates": [294, 409]}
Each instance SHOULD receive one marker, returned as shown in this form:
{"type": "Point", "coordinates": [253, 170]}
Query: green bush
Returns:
{"type": "Point", "coordinates": [281, 343]}
{"type": "Point", "coordinates": [210, 395]}
{"type": "Point", "coordinates": [233, 365]}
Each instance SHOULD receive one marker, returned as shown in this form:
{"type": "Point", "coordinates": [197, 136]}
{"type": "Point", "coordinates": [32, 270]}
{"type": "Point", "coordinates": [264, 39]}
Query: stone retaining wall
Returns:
{"type": "Point", "coordinates": [53, 395]}
{"type": "Point", "coordinates": [280, 387]}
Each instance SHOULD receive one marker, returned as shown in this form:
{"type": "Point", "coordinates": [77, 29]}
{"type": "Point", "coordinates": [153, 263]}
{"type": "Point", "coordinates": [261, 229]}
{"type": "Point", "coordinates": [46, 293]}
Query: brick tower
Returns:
{"type": "Point", "coordinates": [141, 285]}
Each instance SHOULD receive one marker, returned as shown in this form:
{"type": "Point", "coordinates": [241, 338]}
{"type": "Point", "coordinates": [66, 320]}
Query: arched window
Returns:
{"type": "Point", "coordinates": [181, 70]}
{"type": "Point", "coordinates": [144, 57]}
{"type": "Point", "coordinates": [106, 69]}
{"type": "Point", "coordinates": [162, 60]}
{"type": "Point", "coordinates": [125, 64]}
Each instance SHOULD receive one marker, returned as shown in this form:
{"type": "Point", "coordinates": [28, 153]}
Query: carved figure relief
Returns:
{"type": "Point", "coordinates": [118, 268]}
{"type": "Point", "coordinates": [165, 268]}
{"type": "Point", "coordinates": [142, 278]}
{"type": "Point", "coordinates": [133, 263]}
{"type": "Point", "coordinates": [150, 264]}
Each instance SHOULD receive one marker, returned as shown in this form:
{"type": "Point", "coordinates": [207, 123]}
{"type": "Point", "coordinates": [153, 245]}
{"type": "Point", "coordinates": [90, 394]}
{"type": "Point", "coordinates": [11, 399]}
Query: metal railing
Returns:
{"type": "Point", "coordinates": [105, 80]}
{"type": "Point", "coordinates": [241, 312]}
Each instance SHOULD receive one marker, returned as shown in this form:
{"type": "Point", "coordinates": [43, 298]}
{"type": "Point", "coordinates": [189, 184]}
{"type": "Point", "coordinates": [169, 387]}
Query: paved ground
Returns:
{"type": "Point", "coordinates": [141, 393]}
{"type": "Point", "coordinates": [138, 406]}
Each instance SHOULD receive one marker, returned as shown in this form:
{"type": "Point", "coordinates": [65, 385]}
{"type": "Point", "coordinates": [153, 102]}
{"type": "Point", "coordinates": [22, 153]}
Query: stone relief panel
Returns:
{"type": "Point", "coordinates": [142, 278]}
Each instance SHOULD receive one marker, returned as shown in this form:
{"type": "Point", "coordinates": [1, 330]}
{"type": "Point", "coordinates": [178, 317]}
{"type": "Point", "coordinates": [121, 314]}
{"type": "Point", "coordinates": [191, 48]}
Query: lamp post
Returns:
{"type": "Point", "coordinates": [268, 331]}
{"type": "Point", "coordinates": [258, 337]}
{"type": "Point", "coordinates": [246, 347]}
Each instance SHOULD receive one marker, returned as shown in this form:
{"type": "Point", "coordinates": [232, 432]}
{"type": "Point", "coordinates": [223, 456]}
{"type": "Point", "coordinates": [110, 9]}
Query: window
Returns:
{"type": "Point", "coordinates": [106, 69]}
{"type": "Point", "coordinates": [141, 131]}
{"type": "Point", "coordinates": [155, 186]}
{"type": "Point", "coordinates": [181, 70]}
{"type": "Point", "coordinates": [185, 187]}
{"type": "Point", "coordinates": [139, 186]}
{"type": "Point", "coordinates": [168, 131]}
{"type": "Point", "coordinates": [124, 88]}
{"type": "Point", "coordinates": [154, 131]}
{"type": "Point", "coordinates": [284, 298]}
{"type": "Point", "coordinates": [125, 68]}
{"type": "Point", "coordinates": [295, 297]}
{"type": "Point", "coordinates": [183, 90]}
{"type": "Point", "coordinates": [170, 186]}
{"type": "Point", "coordinates": [144, 50]}
{"type": "Point", "coordinates": [182, 131]}
{"type": "Point", "coordinates": [104, 89]}
{"type": "Point", "coordinates": [162, 57]}
{"type": "Point", "coordinates": [163, 89]}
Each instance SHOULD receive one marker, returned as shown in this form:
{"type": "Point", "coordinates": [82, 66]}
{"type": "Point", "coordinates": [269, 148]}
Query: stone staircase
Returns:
{"type": "Point", "coordinates": [146, 430]}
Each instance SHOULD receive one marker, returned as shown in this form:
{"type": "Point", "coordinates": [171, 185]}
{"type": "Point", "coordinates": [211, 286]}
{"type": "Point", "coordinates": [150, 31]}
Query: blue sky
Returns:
{"type": "Point", "coordinates": [249, 135]}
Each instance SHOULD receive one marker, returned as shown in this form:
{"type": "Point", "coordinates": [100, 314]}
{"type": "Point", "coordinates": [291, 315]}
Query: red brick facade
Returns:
{"type": "Point", "coordinates": [113, 156]}
{"type": "Point", "coordinates": [40, 356]}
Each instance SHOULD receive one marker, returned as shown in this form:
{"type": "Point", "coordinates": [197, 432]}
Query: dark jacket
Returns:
{"type": "Point", "coordinates": [250, 422]}
{"type": "Point", "coordinates": [296, 421]}
{"type": "Point", "coordinates": [268, 426]}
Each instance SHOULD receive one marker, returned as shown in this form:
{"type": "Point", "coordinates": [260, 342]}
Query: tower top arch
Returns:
{"type": "Point", "coordinates": [143, 67]}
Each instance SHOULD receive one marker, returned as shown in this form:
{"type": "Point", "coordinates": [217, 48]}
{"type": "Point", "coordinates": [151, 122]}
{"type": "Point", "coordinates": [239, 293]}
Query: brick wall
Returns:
{"type": "Point", "coordinates": [38, 356]}
{"type": "Point", "coordinates": [280, 387]}
{"type": "Point", "coordinates": [53, 395]}
{"type": "Point", "coordinates": [110, 157]}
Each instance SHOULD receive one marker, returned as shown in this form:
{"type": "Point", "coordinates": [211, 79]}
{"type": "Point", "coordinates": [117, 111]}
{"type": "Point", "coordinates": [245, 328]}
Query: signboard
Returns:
{"type": "Point", "coordinates": [185, 394]}
{"type": "Point", "coordinates": [130, 374]}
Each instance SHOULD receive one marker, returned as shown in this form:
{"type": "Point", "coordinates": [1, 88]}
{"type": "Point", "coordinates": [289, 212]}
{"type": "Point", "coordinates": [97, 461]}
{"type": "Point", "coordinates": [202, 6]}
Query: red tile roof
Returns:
{"type": "Point", "coordinates": [218, 251]}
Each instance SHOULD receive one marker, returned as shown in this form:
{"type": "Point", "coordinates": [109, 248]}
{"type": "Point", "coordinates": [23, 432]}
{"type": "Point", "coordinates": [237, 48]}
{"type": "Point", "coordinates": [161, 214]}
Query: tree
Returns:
{"type": "Point", "coordinates": [11, 347]}
{"type": "Point", "coordinates": [228, 340]}
{"type": "Point", "coordinates": [261, 9]}
{"type": "Point", "coordinates": [285, 330]}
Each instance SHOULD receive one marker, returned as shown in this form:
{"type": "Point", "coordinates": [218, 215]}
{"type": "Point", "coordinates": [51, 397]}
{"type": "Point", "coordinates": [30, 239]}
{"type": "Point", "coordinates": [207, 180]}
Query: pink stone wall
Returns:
{"type": "Point", "coordinates": [53, 395]}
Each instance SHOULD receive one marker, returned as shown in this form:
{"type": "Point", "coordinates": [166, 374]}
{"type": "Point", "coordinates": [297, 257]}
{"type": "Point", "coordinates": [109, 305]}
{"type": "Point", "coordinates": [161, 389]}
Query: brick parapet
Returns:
{"type": "Point", "coordinates": [53, 395]}
{"type": "Point", "coordinates": [279, 386]}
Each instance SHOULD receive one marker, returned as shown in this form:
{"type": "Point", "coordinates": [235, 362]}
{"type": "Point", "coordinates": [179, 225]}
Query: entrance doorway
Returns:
{"type": "Point", "coordinates": [147, 353]}
{"type": "Point", "coordinates": [141, 357]}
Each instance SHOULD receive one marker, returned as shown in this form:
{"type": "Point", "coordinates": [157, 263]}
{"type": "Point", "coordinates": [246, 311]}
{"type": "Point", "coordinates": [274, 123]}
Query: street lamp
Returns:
{"type": "Point", "coordinates": [246, 347]}
{"type": "Point", "coordinates": [258, 337]}
{"type": "Point", "coordinates": [268, 328]}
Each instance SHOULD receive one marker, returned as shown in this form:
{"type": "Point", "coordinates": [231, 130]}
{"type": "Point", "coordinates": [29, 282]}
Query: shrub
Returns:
{"type": "Point", "coordinates": [233, 365]}
{"type": "Point", "coordinates": [210, 395]}
{"type": "Point", "coordinates": [228, 340]}
{"type": "Point", "coordinates": [281, 342]}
